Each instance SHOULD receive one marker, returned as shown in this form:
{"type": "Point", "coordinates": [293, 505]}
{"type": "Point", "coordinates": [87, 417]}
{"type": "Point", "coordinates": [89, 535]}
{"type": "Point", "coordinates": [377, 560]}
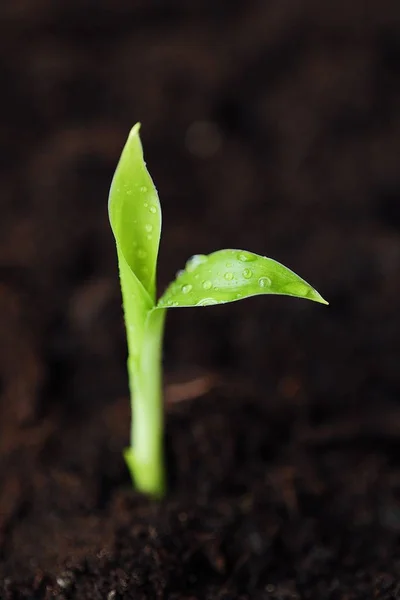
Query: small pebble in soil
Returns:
{"type": "Point", "coordinates": [65, 580]}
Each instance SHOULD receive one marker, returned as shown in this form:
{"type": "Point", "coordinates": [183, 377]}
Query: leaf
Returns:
{"type": "Point", "coordinates": [230, 275]}
{"type": "Point", "coordinates": [135, 214]}
{"type": "Point", "coordinates": [135, 217]}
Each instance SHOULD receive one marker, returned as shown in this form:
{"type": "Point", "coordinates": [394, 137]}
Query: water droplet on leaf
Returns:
{"type": "Point", "coordinates": [153, 210]}
{"type": "Point", "coordinates": [141, 253]}
{"type": "Point", "coordinates": [246, 257]}
{"type": "Point", "coordinates": [207, 284]}
{"type": "Point", "coordinates": [206, 302]}
{"type": "Point", "coordinates": [148, 227]}
{"type": "Point", "coordinates": [247, 273]}
{"type": "Point", "coordinates": [228, 276]}
{"type": "Point", "coordinates": [196, 260]}
{"type": "Point", "coordinates": [186, 288]}
{"type": "Point", "coordinates": [264, 282]}
{"type": "Point", "coordinates": [143, 189]}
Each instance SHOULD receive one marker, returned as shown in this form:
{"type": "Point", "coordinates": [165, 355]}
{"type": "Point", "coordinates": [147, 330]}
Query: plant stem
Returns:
{"type": "Point", "coordinates": [145, 457]}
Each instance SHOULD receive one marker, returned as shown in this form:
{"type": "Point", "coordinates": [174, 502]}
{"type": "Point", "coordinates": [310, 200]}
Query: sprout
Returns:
{"type": "Point", "coordinates": [223, 276]}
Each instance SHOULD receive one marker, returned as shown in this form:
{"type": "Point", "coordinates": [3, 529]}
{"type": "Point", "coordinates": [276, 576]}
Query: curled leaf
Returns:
{"type": "Point", "coordinates": [135, 213]}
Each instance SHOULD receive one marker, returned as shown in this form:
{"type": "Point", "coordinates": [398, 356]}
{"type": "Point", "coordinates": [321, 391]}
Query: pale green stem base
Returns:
{"type": "Point", "coordinates": [145, 457]}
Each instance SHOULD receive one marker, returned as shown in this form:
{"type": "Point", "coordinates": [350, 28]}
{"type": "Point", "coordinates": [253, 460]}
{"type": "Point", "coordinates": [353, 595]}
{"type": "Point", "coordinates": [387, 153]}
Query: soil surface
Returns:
{"type": "Point", "coordinates": [272, 126]}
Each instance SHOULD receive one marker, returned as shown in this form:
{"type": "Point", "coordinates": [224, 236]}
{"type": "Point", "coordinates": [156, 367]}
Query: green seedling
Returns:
{"type": "Point", "coordinates": [223, 276]}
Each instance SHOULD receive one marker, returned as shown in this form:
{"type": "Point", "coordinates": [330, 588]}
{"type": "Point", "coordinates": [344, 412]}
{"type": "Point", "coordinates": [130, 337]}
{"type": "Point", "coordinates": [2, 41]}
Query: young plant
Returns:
{"type": "Point", "coordinates": [223, 276]}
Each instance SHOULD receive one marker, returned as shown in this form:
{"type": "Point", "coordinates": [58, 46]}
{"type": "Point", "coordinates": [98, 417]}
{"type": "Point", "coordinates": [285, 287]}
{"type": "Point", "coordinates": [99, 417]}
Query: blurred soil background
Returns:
{"type": "Point", "coordinates": [267, 125]}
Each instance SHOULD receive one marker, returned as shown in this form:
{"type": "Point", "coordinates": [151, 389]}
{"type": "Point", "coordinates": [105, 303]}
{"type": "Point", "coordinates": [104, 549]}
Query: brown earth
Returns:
{"type": "Point", "coordinates": [272, 126]}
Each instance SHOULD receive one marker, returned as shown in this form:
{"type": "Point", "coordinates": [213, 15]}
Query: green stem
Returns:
{"type": "Point", "coordinates": [145, 457]}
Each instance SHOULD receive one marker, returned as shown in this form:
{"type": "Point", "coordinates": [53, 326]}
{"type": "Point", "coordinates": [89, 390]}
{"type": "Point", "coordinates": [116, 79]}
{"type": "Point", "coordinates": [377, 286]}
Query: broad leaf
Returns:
{"type": "Point", "coordinates": [135, 214]}
{"type": "Point", "coordinates": [230, 275]}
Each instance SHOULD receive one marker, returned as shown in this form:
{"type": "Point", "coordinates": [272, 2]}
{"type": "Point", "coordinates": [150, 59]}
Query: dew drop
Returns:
{"type": "Point", "coordinates": [206, 302]}
{"type": "Point", "coordinates": [143, 189]}
{"type": "Point", "coordinates": [175, 304]}
{"type": "Point", "coordinates": [246, 257]}
{"type": "Point", "coordinates": [169, 303]}
{"type": "Point", "coordinates": [264, 282]}
{"type": "Point", "coordinates": [142, 253]}
{"type": "Point", "coordinates": [149, 237]}
{"type": "Point", "coordinates": [228, 276]}
{"type": "Point", "coordinates": [153, 210]}
{"type": "Point", "coordinates": [186, 288]}
{"type": "Point", "coordinates": [247, 273]}
{"type": "Point", "coordinates": [145, 204]}
{"type": "Point", "coordinates": [207, 284]}
{"type": "Point", "coordinates": [196, 260]}
{"type": "Point", "coordinates": [238, 295]}
{"type": "Point", "coordinates": [148, 227]}
{"type": "Point", "coordinates": [228, 265]}
{"type": "Point", "coordinates": [129, 192]}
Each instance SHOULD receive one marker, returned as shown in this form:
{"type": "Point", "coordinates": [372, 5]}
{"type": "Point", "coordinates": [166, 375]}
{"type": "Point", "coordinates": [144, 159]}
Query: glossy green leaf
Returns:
{"type": "Point", "coordinates": [135, 214]}
{"type": "Point", "coordinates": [230, 275]}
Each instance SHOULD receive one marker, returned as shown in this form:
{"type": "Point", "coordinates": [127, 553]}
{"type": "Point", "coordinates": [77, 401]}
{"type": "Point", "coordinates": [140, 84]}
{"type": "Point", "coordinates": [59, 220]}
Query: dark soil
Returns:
{"type": "Point", "coordinates": [272, 126]}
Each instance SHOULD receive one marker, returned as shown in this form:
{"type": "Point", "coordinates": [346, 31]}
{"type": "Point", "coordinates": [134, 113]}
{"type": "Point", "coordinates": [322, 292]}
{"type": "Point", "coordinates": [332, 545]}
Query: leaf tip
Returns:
{"type": "Point", "coordinates": [135, 130]}
{"type": "Point", "coordinates": [318, 298]}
